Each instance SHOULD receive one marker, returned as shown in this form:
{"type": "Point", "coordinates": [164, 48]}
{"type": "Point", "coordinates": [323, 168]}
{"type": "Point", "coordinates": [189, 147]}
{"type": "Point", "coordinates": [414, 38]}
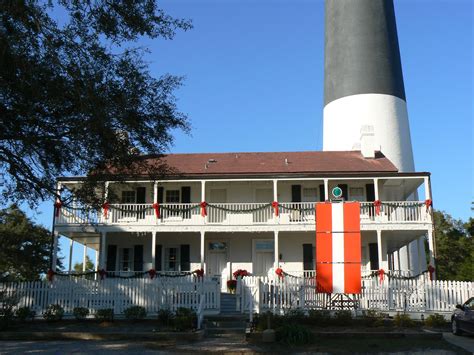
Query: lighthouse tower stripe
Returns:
{"type": "Point", "coordinates": [337, 247]}
{"type": "Point", "coordinates": [352, 248]}
{"type": "Point", "coordinates": [324, 247]}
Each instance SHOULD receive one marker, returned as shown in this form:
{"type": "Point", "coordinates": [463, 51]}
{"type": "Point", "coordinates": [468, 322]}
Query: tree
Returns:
{"type": "Point", "coordinates": [454, 247]}
{"type": "Point", "coordinates": [76, 95]}
{"type": "Point", "coordinates": [89, 265]}
{"type": "Point", "coordinates": [25, 251]}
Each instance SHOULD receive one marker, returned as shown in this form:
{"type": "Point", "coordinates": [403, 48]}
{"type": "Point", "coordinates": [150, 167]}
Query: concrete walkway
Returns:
{"type": "Point", "coordinates": [465, 341]}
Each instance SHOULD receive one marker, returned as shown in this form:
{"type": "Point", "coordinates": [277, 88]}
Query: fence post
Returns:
{"type": "Point", "coordinates": [257, 295]}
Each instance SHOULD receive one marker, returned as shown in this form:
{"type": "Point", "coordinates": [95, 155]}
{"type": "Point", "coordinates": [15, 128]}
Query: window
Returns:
{"type": "Point", "coordinates": [356, 193]}
{"type": "Point", "coordinates": [264, 245]}
{"type": "Point", "coordinates": [128, 196]}
{"type": "Point", "coordinates": [171, 259]}
{"type": "Point", "coordinates": [125, 259]}
{"type": "Point", "coordinates": [310, 194]}
{"type": "Point", "coordinates": [217, 246]}
{"type": "Point", "coordinates": [172, 196]}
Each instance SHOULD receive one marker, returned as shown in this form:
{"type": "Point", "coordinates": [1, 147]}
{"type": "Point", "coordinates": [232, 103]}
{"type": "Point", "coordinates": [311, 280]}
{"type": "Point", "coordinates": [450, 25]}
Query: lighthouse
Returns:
{"type": "Point", "coordinates": [363, 80]}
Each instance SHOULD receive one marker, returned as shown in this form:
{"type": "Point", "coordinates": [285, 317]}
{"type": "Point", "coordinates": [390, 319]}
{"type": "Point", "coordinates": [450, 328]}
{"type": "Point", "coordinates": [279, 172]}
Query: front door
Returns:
{"type": "Point", "coordinates": [263, 256]}
{"type": "Point", "coordinates": [216, 262]}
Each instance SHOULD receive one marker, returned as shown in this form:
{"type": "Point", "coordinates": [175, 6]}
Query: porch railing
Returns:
{"type": "Point", "coordinates": [236, 214]}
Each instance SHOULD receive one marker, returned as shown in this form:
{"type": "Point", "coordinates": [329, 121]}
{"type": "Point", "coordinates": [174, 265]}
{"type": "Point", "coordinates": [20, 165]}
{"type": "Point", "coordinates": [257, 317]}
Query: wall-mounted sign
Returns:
{"type": "Point", "coordinates": [337, 192]}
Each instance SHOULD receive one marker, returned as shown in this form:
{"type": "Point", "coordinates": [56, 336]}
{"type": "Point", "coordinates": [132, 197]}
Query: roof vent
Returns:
{"type": "Point", "coordinates": [286, 161]}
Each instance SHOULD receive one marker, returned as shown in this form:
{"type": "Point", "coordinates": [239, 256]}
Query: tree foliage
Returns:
{"type": "Point", "coordinates": [76, 95]}
{"type": "Point", "coordinates": [454, 248]}
{"type": "Point", "coordinates": [25, 247]}
{"type": "Point", "coordinates": [89, 265]}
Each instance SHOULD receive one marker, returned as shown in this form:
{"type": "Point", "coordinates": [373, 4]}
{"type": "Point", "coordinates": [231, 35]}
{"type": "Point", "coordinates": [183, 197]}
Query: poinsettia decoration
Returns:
{"type": "Point", "coordinates": [199, 272]}
{"type": "Point", "coordinates": [241, 273]}
{"type": "Point", "coordinates": [231, 285]}
{"type": "Point", "coordinates": [279, 271]}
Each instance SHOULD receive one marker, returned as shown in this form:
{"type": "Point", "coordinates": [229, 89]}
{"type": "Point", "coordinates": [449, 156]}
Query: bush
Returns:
{"type": "Point", "coordinates": [435, 321]}
{"type": "Point", "coordinates": [373, 318]}
{"type": "Point", "coordinates": [24, 313]}
{"type": "Point", "coordinates": [105, 314]}
{"type": "Point", "coordinates": [403, 320]}
{"type": "Point", "coordinates": [135, 313]}
{"type": "Point", "coordinates": [267, 320]}
{"type": "Point", "coordinates": [80, 313]}
{"type": "Point", "coordinates": [295, 316]}
{"type": "Point", "coordinates": [342, 317]}
{"type": "Point", "coordinates": [53, 313]}
{"type": "Point", "coordinates": [319, 317]}
{"type": "Point", "coordinates": [185, 319]}
{"type": "Point", "coordinates": [293, 334]}
{"type": "Point", "coordinates": [6, 309]}
{"type": "Point", "coordinates": [165, 316]}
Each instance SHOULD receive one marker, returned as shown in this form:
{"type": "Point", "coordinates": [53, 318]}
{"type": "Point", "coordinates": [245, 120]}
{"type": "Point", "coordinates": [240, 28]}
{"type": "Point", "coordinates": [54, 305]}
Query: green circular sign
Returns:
{"type": "Point", "coordinates": [337, 192]}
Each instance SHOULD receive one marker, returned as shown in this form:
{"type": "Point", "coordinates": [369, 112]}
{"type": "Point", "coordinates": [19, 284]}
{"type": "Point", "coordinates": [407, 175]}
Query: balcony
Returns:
{"type": "Point", "coordinates": [235, 214]}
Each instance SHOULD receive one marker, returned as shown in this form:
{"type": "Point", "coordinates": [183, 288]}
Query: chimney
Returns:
{"type": "Point", "coordinates": [367, 142]}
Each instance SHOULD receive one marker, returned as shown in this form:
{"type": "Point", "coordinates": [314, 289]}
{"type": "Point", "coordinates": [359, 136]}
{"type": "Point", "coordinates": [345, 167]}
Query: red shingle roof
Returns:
{"type": "Point", "coordinates": [276, 163]}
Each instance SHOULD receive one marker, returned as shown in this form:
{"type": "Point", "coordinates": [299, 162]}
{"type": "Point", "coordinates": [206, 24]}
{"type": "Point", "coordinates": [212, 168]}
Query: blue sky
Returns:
{"type": "Point", "coordinates": [254, 82]}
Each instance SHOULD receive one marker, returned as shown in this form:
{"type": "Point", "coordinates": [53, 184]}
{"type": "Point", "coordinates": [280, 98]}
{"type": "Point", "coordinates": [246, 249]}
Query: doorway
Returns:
{"type": "Point", "coordinates": [216, 258]}
{"type": "Point", "coordinates": [263, 256]}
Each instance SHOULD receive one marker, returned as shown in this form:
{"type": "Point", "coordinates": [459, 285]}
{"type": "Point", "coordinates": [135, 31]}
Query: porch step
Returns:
{"type": "Point", "coordinates": [230, 327]}
{"type": "Point", "coordinates": [228, 303]}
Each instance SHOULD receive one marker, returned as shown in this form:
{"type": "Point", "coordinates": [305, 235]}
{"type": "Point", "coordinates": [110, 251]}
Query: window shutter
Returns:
{"type": "Point", "coordinates": [185, 261]}
{"type": "Point", "coordinates": [370, 192]}
{"type": "Point", "coordinates": [138, 258]}
{"type": "Point", "coordinates": [295, 193]}
{"type": "Point", "coordinates": [345, 193]}
{"type": "Point", "coordinates": [161, 193]}
{"type": "Point", "coordinates": [141, 194]}
{"type": "Point", "coordinates": [373, 256]}
{"type": "Point", "coordinates": [111, 257]}
{"type": "Point", "coordinates": [186, 194]}
{"type": "Point", "coordinates": [321, 193]}
{"type": "Point", "coordinates": [158, 251]}
{"type": "Point", "coordinates": [308, 257]}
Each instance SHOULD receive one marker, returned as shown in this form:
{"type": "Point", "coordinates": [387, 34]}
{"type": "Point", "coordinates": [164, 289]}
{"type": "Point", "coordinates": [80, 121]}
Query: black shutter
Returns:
{"type": "Point", "coordinates": [141, 194]}
{"type": "Point", "coordinates": [308, 257]}
{"type": "Point", "coordinates": [345, 193]}
{"type": "Point", "coordinates": [161, 193]}
{"type": "Point", "coordinates": [158, 250]}
{"type": "Point", "coordinates": [186, 194]}
{"type": "Point", "coordinates": [295, 193]}
{"type": "Point", "coordinates": [322, 198]}
{"type": "Point", "coordinates": [370, 192]}
{"type": "Point", "coordinates": [185, 262]}
{"type": "Point", "coordinates": [373, 256]}
{"type": "Point", "coordinates": [138, 258]}
{"type": "Point", "coordinates": [111, 257]}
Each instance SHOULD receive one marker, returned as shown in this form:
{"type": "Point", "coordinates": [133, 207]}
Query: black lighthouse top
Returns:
{"type": "Point", "coordinates": [361, 49]}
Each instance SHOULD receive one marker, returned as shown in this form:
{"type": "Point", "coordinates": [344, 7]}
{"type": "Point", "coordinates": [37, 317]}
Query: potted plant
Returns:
{"type": "Point", "coordinates": [231, 285]}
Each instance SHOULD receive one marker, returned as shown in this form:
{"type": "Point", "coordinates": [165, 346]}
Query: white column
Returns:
{"type": "Point", "coordinates": [106, 192]}
{"type": "Point", "coordinates": [84, 257]}
{"type": "Point", "coordinates": [421, 254]}
{"type": "Point", "coordinates": [275, 190]}
{"type": "Point", "coordinates": [414, 260]}
{"type": "Point", "coordinates": [153, 249]}
{"type": "Point", "coordinates": [97, 260]}
{"type": "Point", "coordinates": [71, 246]}
{"type": "Point", "coordinates": [55, 251]}
{"type": "Point", "coordinates": [155, 192]}
{"type": "Point", "coordinates": [203, 190]}
{"type": "Point", "coordinates": [103, 249]}
{"type": "Point", "coordinates": [376, 189]}
{"type": "Point", "coordinates": [431, 247]}
{"type": "Point", "coordinates": [202, 248]}
{"type": "Point", "coordinates": [427, 188]}
{"type": "Point", "coordinates": [276, 249]}
{"type": "Point", "coordinates": [326, 189]}
{"type": "Point", "coordinates": [379, 249]}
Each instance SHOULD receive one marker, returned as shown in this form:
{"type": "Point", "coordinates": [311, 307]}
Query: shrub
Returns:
{"type": "Point", "coordinates": [295, 316]}
{"type": "Point", "coordinates": [53, 313]}
{"type": "Point", "coordinates": [373, 318]}
{"type": "Point", "coordinates": [24, 313]}
{"type": "Point", "coordinates": [319, 317]}
{"type": "Point", "coordinates": [293, 334]}
{"type": "Point", "coordinates": [6, 309]}
{"type": "Point", "coordinates": [135, 313]}
{"type": "Point", "coordinates": [105, 314]}
{"type": "Point", "coordinates": [185, 319]}
{"type": "Point", "coordinates": [80, 313]}
{"type": "Point", "coordinates": [267, 320]}
{"type": "Point", "coordinates": [342, 317]}
{"type": "Point", "coordinates": [165, 316]}
{"type": "Point", "coordinates": [435, 321]}
{"type": "Point", "coordinates": [403, 320]}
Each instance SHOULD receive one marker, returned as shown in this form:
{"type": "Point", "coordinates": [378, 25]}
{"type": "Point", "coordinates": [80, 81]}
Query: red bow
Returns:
{"type": "Point", "coordinates": [377, 204]}
{"type": "Point", "coordinates": [428, 204]}
{"type": "Point", "coordinates": [57, 207]}
{"type": "Point", "coordinates": [203, 208]}
{"type": "Point", "coordinates": [431, 270]}
{"type": "Point", "coordinates": [102, 273]}
{"type": "Point", "coordinates": [280, 272]}
{"type": "Point", "coordinates": [152, 273]}
{"type": "Point", "coordinates": [381, 275]}
{"type": "Point", "coordinates": [105, 207]}
{"type": "Point", "coordinates": [50, 275]}
{"type": "Point", "coordinates": [156, 207]}
{"type": "Point", "coordinates": [275, 207]}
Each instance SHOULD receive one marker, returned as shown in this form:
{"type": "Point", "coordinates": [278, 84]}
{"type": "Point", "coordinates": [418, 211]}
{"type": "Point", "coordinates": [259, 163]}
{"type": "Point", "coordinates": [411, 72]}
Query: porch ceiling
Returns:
{"type": "Point", "coordinates": [398, 239]}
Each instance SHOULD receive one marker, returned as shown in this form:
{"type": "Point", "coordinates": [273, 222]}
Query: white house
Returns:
{"type": "Point", "coordinates": [254, 211]}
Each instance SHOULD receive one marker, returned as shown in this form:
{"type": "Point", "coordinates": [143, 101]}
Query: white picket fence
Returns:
{"type": "Point", "coordinates": [117, 293]}
{"type": "Point", "coordinates": [261, 294]}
